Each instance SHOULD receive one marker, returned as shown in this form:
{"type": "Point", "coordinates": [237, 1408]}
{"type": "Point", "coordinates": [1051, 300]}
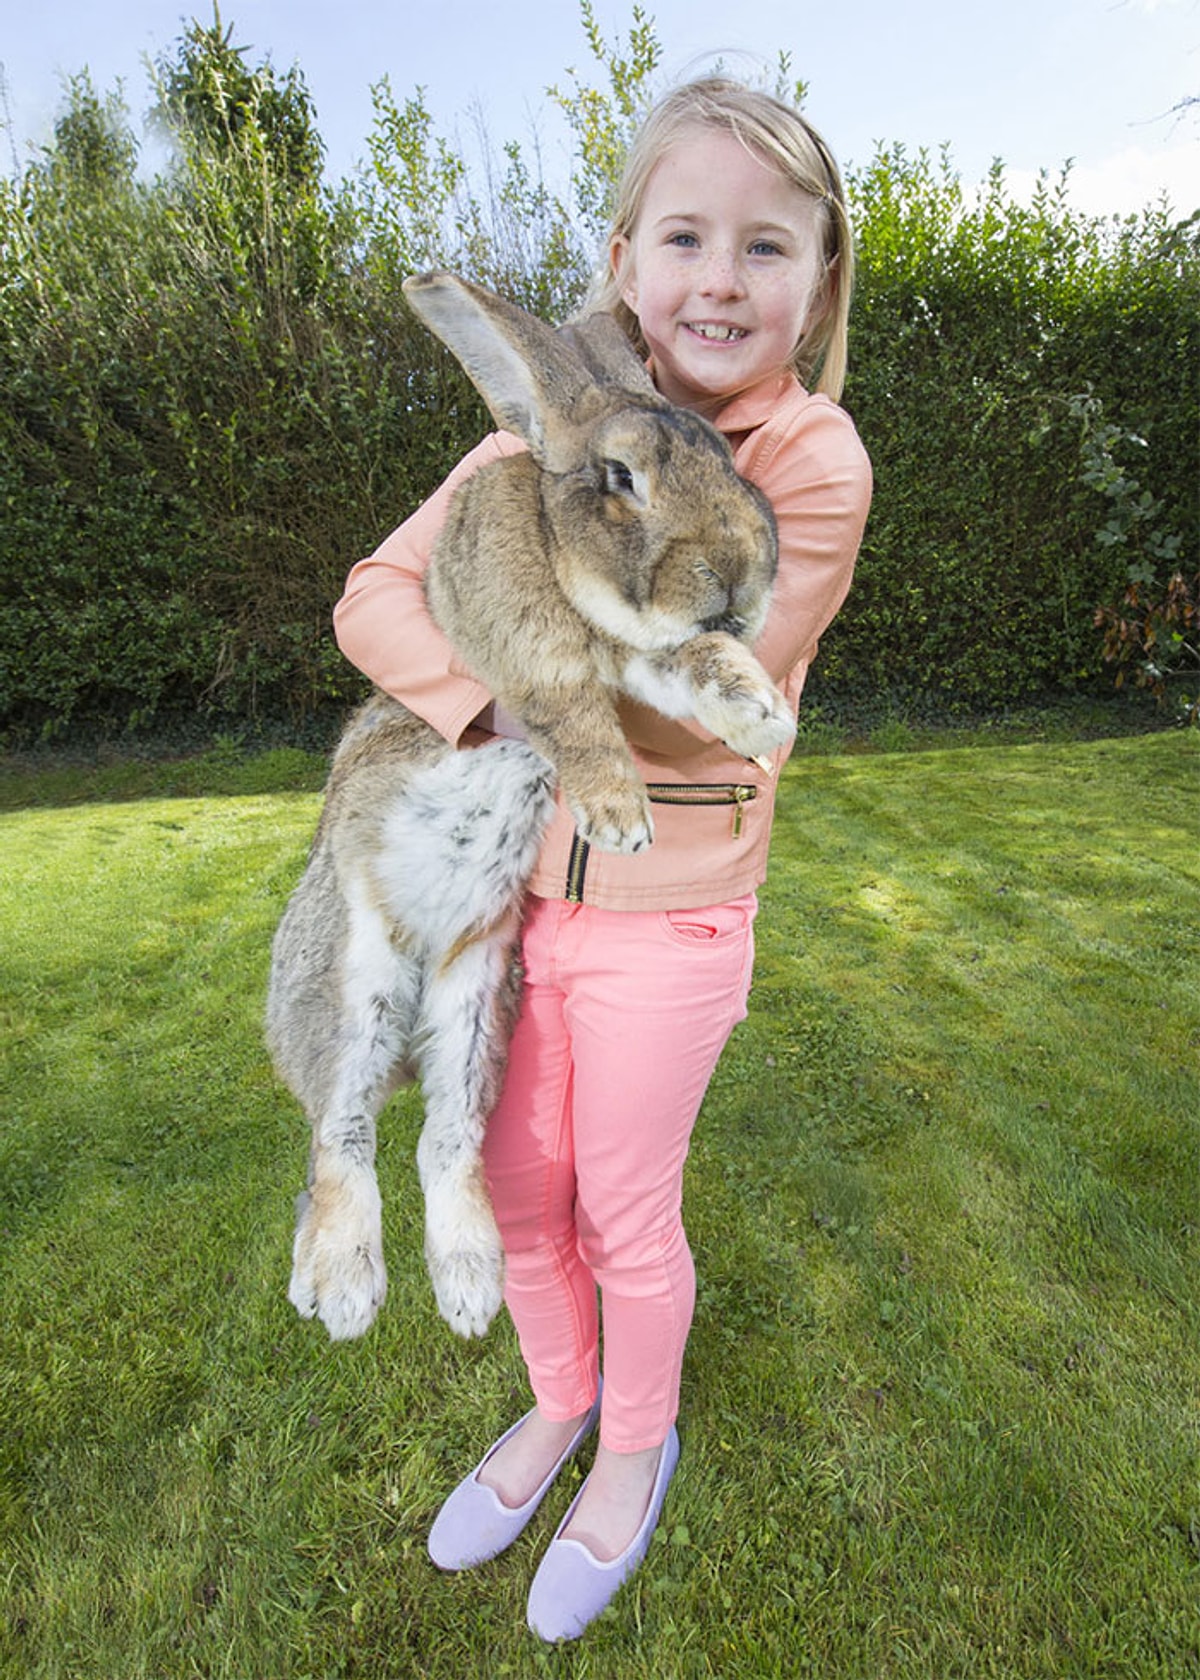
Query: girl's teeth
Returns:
{"type": "Point", "coordinates": [722, 333]}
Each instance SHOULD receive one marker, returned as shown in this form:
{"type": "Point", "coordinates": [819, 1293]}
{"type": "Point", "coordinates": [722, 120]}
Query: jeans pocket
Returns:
{"type": "Point", "coordinates": [712, 923]}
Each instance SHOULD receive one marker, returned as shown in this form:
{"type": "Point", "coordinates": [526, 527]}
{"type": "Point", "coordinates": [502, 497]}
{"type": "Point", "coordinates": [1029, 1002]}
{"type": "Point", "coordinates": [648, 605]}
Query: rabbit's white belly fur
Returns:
{"type": "Point", "coordinates": [465, 834]}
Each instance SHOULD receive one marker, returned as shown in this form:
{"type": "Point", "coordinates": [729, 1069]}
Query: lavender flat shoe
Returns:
{"type": "Point", "coordinates": [571, 1586]}
{"type": "Point", "coordinates": [475, 1524]}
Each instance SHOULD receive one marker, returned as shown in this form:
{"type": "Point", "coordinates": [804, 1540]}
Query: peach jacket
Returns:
{"type": "Point", "coordinates": [712, 810]}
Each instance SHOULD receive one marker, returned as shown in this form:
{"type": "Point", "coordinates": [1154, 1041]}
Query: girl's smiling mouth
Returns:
{"type": "Point", "coordinates": [715, 333]}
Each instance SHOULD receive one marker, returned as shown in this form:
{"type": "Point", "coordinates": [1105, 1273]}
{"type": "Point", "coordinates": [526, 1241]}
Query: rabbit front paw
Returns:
{"type": "Point", "coordinates": [754, 722]}
{"type": "Point", "coordinates": [619, 822]}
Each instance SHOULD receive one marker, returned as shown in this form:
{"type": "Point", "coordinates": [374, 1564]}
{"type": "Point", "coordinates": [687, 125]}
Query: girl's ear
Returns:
{"type": "Point", "coordinates": [620, 261]}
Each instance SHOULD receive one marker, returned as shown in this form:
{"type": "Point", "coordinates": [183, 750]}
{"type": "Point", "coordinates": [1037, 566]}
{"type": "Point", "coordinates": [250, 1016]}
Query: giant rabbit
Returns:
{"type": "Point", "coordinates": [621, 554]}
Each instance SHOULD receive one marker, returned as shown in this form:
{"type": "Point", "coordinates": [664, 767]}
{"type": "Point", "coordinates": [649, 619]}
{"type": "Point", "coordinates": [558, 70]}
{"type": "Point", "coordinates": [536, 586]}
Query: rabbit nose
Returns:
{"type": "Point", "coordinates": [731, 623]}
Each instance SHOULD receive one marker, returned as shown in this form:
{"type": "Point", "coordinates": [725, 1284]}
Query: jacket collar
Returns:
{"type": "Point", "coordinates": [755, 406]}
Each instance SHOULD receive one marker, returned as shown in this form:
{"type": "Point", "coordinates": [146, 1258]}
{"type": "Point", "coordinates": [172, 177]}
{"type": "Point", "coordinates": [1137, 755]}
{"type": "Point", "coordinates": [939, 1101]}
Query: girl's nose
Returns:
{"type": "Point", "coordinates": [723, 275]}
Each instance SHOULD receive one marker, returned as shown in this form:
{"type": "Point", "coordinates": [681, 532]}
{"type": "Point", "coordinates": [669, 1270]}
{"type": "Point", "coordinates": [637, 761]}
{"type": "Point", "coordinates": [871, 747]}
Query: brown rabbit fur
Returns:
{"type": "Point", "coordinates": [622, 553]}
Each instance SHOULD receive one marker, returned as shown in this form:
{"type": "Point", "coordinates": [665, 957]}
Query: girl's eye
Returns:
{"type": "Point", "coordinates": [686, 241]}
{"type": "Point", "coordinates": [765, 248]}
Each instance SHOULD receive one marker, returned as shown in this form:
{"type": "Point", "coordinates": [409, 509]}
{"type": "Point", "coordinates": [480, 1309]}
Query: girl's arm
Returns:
{"type": "Point", "coordinates": [819, 484]}
{"type": "Point", "coordinates": [383, 624]}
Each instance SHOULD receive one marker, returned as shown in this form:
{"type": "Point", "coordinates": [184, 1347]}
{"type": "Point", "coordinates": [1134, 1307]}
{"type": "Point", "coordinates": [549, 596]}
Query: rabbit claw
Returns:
{"type": "Point", "coordinates": [623, 832]}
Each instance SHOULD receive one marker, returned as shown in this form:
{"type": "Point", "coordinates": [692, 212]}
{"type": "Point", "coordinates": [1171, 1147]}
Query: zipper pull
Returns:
{"type": "Point", "coordinates": [740, 796]}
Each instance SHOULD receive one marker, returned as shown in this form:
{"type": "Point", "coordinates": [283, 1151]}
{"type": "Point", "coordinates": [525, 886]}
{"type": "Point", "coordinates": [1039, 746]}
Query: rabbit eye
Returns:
{"type": "Point", "coordinates": [618, 478]}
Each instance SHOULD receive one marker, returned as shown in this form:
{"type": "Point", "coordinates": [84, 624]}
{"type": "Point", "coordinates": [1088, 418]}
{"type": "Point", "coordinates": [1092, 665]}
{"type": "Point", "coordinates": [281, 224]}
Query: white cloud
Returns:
{"type": "Point", "coordinates": [1127, 181]}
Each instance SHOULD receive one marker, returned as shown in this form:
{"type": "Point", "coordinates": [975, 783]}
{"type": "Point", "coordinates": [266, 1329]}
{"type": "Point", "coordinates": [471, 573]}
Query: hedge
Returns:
{"type": "Point", "coordinates": [213, 400]}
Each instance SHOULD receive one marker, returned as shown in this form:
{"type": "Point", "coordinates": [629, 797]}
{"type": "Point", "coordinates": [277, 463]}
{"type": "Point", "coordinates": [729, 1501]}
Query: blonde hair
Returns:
{"type": "Point", "coordinates": [784, 139]}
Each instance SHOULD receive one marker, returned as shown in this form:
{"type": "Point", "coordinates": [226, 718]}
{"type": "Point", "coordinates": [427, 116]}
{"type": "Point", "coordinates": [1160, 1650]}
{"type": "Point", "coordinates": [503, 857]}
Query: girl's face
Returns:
{"type": "Point", "coordinates": [723, 268]}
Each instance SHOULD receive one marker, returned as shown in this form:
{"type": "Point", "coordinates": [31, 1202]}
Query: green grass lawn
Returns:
{"type": "Point", "coordinates": [942, 1399]}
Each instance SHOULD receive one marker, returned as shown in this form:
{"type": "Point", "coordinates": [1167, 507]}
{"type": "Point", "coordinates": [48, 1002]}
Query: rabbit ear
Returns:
{"type": "Point", "coordinates": [608, 355]}
{"type": "Point", "coordinates": [531, 379]}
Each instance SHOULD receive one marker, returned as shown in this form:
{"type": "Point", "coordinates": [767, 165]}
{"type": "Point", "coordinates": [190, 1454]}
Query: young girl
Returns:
{"type": "Point", "coordinates": [729, 265]}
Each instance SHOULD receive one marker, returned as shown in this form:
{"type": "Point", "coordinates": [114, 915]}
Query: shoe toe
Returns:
{"type": "Point", "coordinates": [472, 1526]}
{"type": "Point", "coordinates": [475, 1525]}
{"type": "Point", "coordinates": [572, 1587]}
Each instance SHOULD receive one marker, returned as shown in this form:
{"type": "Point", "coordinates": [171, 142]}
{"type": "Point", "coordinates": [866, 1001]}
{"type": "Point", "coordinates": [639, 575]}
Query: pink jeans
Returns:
{"type": "Point", "coordinates": [624, 1016]}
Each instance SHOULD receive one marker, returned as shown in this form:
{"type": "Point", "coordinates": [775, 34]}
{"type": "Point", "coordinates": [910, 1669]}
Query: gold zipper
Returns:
{"type": "Point", "coordinates": [576, 870]}
{"type": "Point", "coordinates": [737, 794]}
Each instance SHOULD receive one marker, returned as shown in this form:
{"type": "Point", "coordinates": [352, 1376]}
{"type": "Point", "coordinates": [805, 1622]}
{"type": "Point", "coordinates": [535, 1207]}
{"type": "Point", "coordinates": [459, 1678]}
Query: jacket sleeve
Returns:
{"type": "Point", "coordinates": [383, 623]}
{"type": "Point", "coordinates": [818, 479]}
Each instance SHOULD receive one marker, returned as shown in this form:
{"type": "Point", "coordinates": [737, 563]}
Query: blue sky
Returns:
{"type": "Point", "coordinates": [1034, 82]}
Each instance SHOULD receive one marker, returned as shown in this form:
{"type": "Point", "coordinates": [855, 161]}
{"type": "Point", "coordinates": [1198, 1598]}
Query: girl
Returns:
{"type": "Point", "coordinates": [729, 265]}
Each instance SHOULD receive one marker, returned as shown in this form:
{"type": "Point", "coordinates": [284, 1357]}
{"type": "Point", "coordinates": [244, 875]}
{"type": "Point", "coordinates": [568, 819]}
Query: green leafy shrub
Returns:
{"type": "Point", "coordinates": [213, 399]}
{"type": "Point", "coordinates": [978, 326]}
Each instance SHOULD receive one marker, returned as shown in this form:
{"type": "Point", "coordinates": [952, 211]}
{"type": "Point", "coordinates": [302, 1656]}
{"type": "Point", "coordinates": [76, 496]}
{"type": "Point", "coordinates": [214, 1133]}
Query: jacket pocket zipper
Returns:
{"type": "Point", "coordinates": [737, 794]}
